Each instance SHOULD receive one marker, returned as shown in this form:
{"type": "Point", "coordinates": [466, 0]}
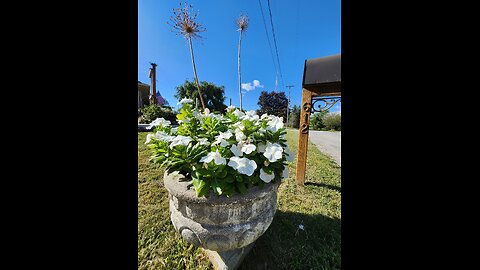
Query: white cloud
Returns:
{"type": "Point", "coordinates": [247, 86]}
{"type": "Point", "coordinates": [251, 86]}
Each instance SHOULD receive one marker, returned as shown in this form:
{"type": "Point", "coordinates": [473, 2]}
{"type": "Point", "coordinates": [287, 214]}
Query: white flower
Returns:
{"type": "Point", "coordinates": [252, 116]}
{"type": "Point", "coordinates": [285, 172]}
{"type": "Point", "coordinates": [243, 165]}
{"type": "Point", "coordinates": [197, 115]}
{"type": "Point", "coordinates": [265, 116]}
{"type": "Point", "coordinates": [149, 138]}
{"type": "Point", "coordinates": [261, 147]}
{"type": "Point", "coordinates": [251, 113]}
{"type": "Point", "coordinates": [230, 108]}
{"type": "Point", "coordinates": [275, 123]}
{"type": "Point", "coordinates": [161, 136]}
{"type": "Point", "coordinates": [225, 135]}
{"type": "Point", "coordinates": [180, 140]}
{"type": "Point", "coordinates": [265, 176]}
{"type": "Point", "coordinates": [224, 143]}
{"type": "Point", "coordinates": [239, 125]}
{"type": "Point", "coordinates": [214, 156]}
{"type": "Point", "coordinates": [217, 116]}
{"type": "Point", "coordinates": [248, 148]}
{"type": "Point", "coordinates": [273, 151]}
{"type": "Point", "coordinates": [238, 113]}
{"type": "Point", "coordinates": [206, 112]}
{"type": "Point", "coordinates": [186, 100]}
{"type": "Point", "coordinates": [236, 150]}
{"type": "Point", "coordinates": [160, 121]}
{"type": "Point", "coordinates": [289, 154]}
{"type": "Point", "coordinates": [239, 136]}
{"type": "Point", "coordinates": [221, 138]}
{"type": "Point", "coordinates": [174, 130]}
{"type": "Point", "coordinates": [203, 141]}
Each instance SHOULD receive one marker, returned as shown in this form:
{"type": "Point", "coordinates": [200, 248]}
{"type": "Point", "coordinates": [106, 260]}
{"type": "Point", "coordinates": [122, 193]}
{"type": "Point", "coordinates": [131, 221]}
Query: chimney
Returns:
{"type": "Point", "coordinates": [153, 76]}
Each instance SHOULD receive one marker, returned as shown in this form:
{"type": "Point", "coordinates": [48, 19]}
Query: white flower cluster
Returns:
{"type": "Point", "coordinates": [240, 146]}
{"type": "Point", "coordinates": [160, 122]}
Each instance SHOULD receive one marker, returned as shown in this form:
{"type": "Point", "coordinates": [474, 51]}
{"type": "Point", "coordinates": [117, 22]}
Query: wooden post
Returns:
{"type": "Point", "coordinates": [153, 76]}
{"type": "Point", "coordinates": [303, 135]}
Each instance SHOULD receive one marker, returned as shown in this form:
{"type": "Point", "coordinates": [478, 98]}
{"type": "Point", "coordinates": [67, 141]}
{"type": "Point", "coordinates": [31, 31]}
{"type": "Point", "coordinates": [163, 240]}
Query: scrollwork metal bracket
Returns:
{"type": "Point", "coordinates": [325, 103]}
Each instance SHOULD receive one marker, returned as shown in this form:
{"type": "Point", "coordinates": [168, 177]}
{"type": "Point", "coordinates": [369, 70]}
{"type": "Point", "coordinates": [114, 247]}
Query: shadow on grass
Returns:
{"type": "Point", "coordinates": [324, 185]}
{"type": "Point", "coordinates": [285, 246]}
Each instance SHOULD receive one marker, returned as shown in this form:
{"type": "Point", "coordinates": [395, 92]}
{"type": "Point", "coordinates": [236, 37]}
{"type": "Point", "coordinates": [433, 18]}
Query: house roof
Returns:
{"type": "Point", "coordinates": [143, 84]}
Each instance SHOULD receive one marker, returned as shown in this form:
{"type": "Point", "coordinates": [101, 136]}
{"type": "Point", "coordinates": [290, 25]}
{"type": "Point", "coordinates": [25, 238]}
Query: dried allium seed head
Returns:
{"type": "Point", "coordinates": [184, 22]}
{"type": "Point", "coordinates": [242, 23]}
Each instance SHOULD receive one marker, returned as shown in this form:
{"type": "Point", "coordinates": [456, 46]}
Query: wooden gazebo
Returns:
{"type": "Point", "coordinates": [321, 86]}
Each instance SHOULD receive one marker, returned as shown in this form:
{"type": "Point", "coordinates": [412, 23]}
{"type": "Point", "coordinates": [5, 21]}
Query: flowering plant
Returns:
{"type": "Point", "coordinates": [225, 153]}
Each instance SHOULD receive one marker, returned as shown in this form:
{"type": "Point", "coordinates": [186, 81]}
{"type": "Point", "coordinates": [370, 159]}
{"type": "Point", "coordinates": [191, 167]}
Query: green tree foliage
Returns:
{"type": "Point", "coordinates": [333, 121]}
{"type": "Point", "coordinates": [152, 112]}
{"type": "Point", "coordinates": [316, 121]}
{"type": "Point", "coordinates": [294, 116]}
{"type": "Point", "coordinates": [213, 95]}
{"type": "Point", "coordinates": [274, 103]}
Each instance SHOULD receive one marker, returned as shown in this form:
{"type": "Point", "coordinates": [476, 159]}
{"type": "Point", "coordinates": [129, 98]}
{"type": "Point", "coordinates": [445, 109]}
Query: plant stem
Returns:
{"type": "Point", "coordinates": [239, 74]}
{"type": "Point", "coordinates": [195, 72]}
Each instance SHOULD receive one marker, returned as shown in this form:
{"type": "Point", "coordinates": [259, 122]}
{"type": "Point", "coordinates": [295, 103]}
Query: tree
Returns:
{"type": "Point", "coordinates": [333, 121]}
{"type": "Point", "coordinates": [294, 116]}
{"type": "Point", "coordinates": [184, 23]}
{"type": "Point", "coordinates": [316, 122]}
{"type": "Point", "coordinates": [273, 103]}
{"type": "Point", "coordinates": [213, 95]}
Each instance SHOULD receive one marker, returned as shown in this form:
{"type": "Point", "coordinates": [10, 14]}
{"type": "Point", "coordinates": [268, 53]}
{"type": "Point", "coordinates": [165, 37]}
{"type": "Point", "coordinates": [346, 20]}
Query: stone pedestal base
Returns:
{"type": "Point", "coordinates": [228, 260]}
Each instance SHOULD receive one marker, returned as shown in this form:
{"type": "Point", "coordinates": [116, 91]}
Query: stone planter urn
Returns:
{"type": "Point", "coordinates": [225, 228]}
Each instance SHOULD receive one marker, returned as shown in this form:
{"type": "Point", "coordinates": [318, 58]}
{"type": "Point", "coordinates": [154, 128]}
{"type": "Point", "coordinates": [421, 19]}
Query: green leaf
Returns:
{"type": "Point", "coordinates": [217, 187]}
{"type": "Point", "coordinates": [229, 179]}
{"type": "Point", "coordinates": [241, 187]}
{"type": "Point", "coordinates": [201, 187]}
{"type": "Point", "coordinates": [221, 173]}
{"type": "Point", "coordinates": [228, 190]}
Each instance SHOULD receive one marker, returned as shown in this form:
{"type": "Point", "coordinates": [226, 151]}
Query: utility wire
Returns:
{"type": "Point", "coordinates": [268, 38]}
{"type": "Point", "coordinates": [275, 42]}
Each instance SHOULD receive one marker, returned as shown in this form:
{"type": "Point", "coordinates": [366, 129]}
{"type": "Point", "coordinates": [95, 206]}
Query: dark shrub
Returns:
{"type": "Point", "coordinates": [152, 112]}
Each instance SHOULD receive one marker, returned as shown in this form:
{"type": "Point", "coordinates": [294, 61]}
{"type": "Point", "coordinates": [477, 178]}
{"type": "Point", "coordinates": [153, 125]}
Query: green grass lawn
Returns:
{"type": "Point", "coordinates": [317, 206]}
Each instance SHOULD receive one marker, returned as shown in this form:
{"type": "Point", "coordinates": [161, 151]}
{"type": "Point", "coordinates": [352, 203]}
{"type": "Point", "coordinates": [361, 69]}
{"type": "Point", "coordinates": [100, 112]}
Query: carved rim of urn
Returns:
{"type": "Point", "coordinates": [216, 222]}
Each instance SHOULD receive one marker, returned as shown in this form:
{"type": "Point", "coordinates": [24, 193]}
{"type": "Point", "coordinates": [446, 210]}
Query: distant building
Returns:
{"type": "Point", "coordinates": [144, 94]}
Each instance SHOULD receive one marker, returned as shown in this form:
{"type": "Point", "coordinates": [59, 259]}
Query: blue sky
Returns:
{"type": "Point", "coordinates": [304, 29]}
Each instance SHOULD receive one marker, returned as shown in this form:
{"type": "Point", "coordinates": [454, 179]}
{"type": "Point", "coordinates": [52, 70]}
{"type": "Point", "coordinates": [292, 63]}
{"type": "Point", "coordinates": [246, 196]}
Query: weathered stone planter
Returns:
{"type": "Point", "coordinates": [220, 223]}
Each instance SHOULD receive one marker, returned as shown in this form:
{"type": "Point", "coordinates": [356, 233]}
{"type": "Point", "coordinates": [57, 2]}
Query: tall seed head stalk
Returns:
{"type": "Point", "coordinates": [184, 22]}
{"type": "Point", "coordinates": [242, 22]}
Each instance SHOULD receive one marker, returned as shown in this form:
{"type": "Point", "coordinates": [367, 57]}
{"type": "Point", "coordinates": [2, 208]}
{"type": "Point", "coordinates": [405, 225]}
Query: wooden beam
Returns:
{"type": "Point", "coordinates": [333, 94]}
{"type": "Point", "coordinates": [325, 89]}
{"type": "Point", "coordinates": [303, 135]}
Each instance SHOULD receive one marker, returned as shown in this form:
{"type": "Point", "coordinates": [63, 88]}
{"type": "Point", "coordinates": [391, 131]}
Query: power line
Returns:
{"type": "Point", "coordinates": [268, 38]}
{"type": "Point", "coordinates": [275, 42]}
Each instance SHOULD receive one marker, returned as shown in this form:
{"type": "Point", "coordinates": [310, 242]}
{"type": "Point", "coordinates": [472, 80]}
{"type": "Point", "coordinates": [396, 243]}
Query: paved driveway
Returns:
{"type": "Point", "coordinates": [328, 143]}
